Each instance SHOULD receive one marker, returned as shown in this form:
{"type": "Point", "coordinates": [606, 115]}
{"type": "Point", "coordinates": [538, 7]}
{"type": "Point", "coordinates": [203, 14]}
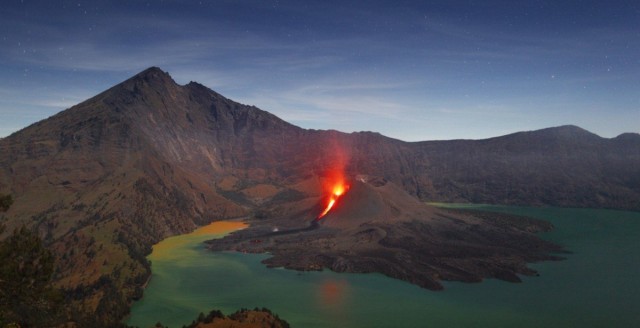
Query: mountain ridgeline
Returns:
{"type": "Point", "coordinates": [104, 180]}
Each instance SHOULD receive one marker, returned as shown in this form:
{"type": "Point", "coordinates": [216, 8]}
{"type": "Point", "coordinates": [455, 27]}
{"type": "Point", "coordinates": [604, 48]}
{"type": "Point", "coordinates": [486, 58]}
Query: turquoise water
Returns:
{"type": "Point", "coordinates": [595, 287]}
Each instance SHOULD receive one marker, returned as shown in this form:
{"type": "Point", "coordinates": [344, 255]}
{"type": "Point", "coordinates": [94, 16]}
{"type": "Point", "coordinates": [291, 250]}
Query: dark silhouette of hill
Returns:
{"type": "Point", "coordinates": [104, 180]}
{"type": "Point", "coordinates": [564, 166]}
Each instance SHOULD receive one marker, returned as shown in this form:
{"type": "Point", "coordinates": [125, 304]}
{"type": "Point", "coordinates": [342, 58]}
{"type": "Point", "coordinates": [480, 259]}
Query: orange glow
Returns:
{"type": "Point", "coordinates": [332, 292]}
{"type": "Point", "coordinates": [338, 189]}
{"type": "Point", "coordinates": [333, 180]}
{"type": "Point", "coordinates": [327, 209]}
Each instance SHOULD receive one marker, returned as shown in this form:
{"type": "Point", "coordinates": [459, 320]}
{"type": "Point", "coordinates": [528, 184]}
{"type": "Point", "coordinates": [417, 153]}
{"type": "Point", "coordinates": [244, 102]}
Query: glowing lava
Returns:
{"type": "Point", "coordinates": [333, 176]}
{"type": "Point", "coordinates": [338, 190]}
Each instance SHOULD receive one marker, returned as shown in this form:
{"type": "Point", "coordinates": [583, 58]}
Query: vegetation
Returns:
{"type": "Point", "coordinates": [5, 202]}
{"type": "Point", "coordinates": [258, 317]}
{"type": "Point", "coordinates": [27, 298]}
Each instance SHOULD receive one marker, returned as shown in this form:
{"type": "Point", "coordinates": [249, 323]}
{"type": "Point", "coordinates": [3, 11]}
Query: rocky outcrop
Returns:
{"type": "Point", "coordinates": [256, 318]}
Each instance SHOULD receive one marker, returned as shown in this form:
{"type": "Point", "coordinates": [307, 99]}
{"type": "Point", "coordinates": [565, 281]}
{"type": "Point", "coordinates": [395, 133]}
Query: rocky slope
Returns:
{"type": "Point", "coordinates": [104, 180]}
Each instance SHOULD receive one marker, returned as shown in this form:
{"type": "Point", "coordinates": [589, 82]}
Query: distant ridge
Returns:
{"type": "Point", "coordinates": [566, 132]}
{"type": "Point", "coordinates": [629, 136]}
{"type": "Point", "coordinates": [105, 179]}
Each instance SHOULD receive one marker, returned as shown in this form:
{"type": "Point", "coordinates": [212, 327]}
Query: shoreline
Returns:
{"type": "Point", "coordinates": [220, 228]}
{"type": "Point", "coordinates": [451, 244]}
{"type": "Point", "coordinates": [496, 294]}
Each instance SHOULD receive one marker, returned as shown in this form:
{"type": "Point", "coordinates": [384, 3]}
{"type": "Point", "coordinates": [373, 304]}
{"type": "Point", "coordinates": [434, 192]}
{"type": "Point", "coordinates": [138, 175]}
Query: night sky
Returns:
{"type": "Point", "coordinates": [412, 70]}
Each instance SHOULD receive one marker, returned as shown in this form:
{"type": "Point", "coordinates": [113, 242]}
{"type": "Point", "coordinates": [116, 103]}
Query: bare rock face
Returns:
{"type": "Point", "coordinates": [104, 180]}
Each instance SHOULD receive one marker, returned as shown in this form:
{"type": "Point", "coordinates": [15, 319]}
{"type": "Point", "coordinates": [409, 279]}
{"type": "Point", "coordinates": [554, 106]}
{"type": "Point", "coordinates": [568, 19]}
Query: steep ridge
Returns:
{"type": "Point", "coordinates": [104, 180]}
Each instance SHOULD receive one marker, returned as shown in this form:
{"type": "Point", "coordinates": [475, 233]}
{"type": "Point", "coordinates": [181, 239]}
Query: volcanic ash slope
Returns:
{"type": "Point", "coordinates": [378, 227]}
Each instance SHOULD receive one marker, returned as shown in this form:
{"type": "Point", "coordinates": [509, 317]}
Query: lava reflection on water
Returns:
{"type": "Point", "coordinates": [333, 293]}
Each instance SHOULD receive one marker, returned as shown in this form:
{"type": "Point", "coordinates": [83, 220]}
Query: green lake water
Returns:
{"type": "Point", "coordinates": [597, 286]}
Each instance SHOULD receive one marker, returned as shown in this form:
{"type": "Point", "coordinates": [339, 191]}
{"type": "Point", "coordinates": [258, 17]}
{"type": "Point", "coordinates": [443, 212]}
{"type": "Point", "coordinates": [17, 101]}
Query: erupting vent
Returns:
{"type": "Point", "coordinates": [338, 190]}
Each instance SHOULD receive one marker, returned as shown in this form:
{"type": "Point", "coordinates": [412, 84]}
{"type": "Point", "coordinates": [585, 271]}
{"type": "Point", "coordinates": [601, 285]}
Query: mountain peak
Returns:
{"type": "Point", "coordinates": [566, 132]}
{"type": "Point", "coordinates": [567, 129]}
{"type": "Point", "coordinates": [151, 81]}
{"type": "Point", "coordinates": [154, 75]}
{"type": "Point", "coordinates": [629, 136]}
{"type": "Point", "coordinates": [153, 72]}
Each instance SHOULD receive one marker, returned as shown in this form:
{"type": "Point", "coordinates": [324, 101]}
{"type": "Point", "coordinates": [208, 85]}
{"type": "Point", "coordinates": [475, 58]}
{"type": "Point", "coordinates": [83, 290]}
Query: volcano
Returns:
{"type": "Point", "coordinates": [378, 227]}
{"type": "Point", "coordinates": [376, 200]}
{"type": "Point", "coordinates": [104, 180]}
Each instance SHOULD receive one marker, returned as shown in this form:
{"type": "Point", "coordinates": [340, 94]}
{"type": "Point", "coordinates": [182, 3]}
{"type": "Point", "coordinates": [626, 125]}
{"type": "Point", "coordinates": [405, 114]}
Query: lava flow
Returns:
{"type": "Point", "coordinates": [338, 190]}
